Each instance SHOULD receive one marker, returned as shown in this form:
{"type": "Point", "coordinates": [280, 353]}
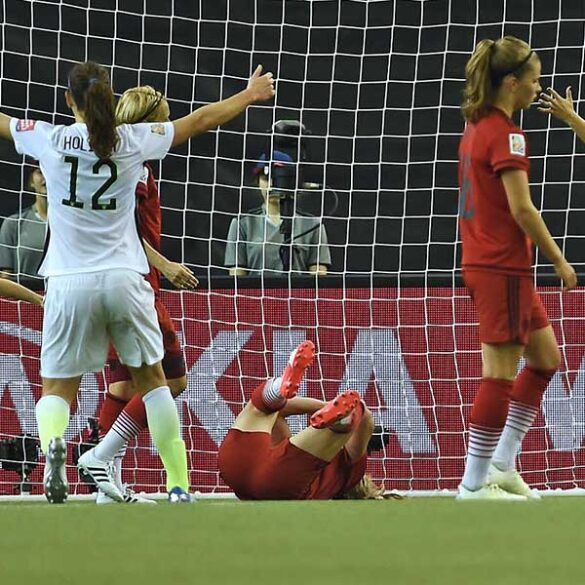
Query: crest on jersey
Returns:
{"type": "Point", "coordinates": [158, 129]}
{"type": "Point", "coordinates": [517, 144]}
{"type": "Point", "coordinates": [25, 125]}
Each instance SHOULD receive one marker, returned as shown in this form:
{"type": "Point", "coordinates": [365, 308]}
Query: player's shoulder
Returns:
{"type": "Point", "coordinates": [497, 122]}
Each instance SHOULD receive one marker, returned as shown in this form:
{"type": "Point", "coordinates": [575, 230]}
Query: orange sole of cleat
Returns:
{"type": "Point", "coordinates": [335, 410]}
{"type": "Point", "coordinates": [293, 373]}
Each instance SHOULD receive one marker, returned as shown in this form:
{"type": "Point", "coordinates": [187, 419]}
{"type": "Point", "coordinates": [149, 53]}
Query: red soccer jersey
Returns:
{"type": "Point", "coordinates": [149, 218]}
{"type": "Point", "coordinates": [491, 238]}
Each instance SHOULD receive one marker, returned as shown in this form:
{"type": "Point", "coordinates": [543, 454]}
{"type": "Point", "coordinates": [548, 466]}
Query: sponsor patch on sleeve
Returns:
{"type": "Point", "coordinates": [158, 129]}
{"type": "Point", "coordinates": [517, 144]}
{"type": "Point", "coordinates": [25, 125]}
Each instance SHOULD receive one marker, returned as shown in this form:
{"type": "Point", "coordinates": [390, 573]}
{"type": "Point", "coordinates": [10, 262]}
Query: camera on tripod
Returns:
{"type": "Point", "coordinates": [20, 454]}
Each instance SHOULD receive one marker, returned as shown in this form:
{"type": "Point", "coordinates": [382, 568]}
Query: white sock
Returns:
{"type": "Point", "coordinates": [520, 419]}
{"type": "Point", "coordinates": [271, 395]}
{"type": "Point", "coordinates": [482, 444]}
{"type": "Point", "coordinates": [162, 415]}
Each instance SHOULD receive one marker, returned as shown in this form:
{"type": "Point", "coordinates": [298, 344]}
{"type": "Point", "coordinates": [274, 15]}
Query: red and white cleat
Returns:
{"type": "Point", "coordinates": [300, 359]}
{"type": "Point", "coordinates": [335, 410]}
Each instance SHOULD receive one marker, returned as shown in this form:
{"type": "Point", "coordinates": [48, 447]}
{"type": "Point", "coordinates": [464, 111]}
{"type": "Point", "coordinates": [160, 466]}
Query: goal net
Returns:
{"type": "Point", "coordinates": [376, 86]}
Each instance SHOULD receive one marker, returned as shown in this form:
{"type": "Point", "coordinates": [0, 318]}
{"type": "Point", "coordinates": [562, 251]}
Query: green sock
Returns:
{"type": "Point", "coordinates": [163, 423]}
{"type": "Point", "coordinates": [52, 413]}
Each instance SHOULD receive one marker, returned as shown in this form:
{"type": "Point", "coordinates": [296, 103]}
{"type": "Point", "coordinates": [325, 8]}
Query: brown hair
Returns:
{"type": "Point", "coordinates": [141, 104]}
{"type": "Point", "coordinates": [89, 84]}
{"type": "Point", "coordinates": [490, 63]}
{"type": "Point", "coordinates": [368, 489]}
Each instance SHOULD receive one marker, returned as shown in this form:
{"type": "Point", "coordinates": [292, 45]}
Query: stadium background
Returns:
{"type": "Point", "coordinates": [378, 84]}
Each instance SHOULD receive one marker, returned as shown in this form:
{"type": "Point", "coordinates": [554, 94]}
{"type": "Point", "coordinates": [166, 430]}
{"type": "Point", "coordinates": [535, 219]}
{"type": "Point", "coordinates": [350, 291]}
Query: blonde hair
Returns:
{"type": "Point", "coordinates": [141, 104]}
{"type": "Point", "coordinates": [368, 489]}
{"type": "Point", "coordinates": [490, 63]}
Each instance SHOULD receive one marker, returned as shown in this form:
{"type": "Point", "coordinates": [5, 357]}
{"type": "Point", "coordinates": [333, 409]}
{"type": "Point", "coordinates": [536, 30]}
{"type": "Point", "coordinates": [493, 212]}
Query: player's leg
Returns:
{"type": "Point", "coordinates": [504, 317]}
{"type": "Point", "coordinates": [331, 426]}
{"type": "Point", "coordinates": [543, 358]}
{"type": "Point", "coordinates": [74, 342]}
{"type": "Point", "coordinates": [52, 414]}
{"type": "Point", "coordinates": [357, 445]}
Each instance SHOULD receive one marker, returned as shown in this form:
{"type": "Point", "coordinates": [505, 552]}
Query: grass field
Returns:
{"type": "Point", "coordinates": [416, 541]}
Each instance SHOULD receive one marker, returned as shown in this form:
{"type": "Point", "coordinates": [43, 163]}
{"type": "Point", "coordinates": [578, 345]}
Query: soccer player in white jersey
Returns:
{"type": "Point", "coordinates": [94, 262]}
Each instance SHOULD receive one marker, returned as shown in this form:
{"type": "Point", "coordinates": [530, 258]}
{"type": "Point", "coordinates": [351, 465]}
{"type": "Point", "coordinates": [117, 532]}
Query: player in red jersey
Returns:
{"type": "Point", "coordinates": [123, 415]}
{"type": "Point", "coordinates": [260, 460]}
{"type": "Point", "coordinates": [498, 225]}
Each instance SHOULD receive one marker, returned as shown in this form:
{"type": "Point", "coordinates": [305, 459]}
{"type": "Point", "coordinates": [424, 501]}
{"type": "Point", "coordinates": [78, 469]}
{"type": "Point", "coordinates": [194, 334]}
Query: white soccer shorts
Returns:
{"type": "Point", "coordinates": [84, 312]}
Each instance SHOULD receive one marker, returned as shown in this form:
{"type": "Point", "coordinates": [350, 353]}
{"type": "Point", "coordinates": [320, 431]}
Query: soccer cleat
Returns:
{"type": "Point", "coordinates": [335, 410]}
{"type": "Point", "coordinates": [512, 482]}
{"type": "Point", "coordinates": [130, 497]}
{"type": "Point", "coordinates": [55, 475]}
{"type": "Point", "coordinates": [179, 496]}
{"type": "Point", "coordinates": [300, 359]}
{"type": "Point", "coordinates": [489, 492]}
{"type": "Point", "coordinates": [102, 473]}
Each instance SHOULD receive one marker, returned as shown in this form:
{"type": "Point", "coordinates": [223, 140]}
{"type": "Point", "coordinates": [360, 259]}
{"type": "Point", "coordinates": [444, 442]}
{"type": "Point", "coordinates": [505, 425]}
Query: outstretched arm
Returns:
{"type": "Point", "coordinates": [5, 127]}
{"type": "Point", "coordinates": [260, 88]}
{"type": "Point", "coordinates": [179, 275]}
{"type": "Point", "coordinates": [13, 290]}
{"type": "Point", "coordinates": [563, 109]}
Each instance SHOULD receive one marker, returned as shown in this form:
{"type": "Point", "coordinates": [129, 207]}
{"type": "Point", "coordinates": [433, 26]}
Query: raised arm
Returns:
{"type": "Point", "coordinates": [562, 108]}
{"type": "Point", "coordinates": [5, 127]}
{"type": "Point", "coordinates": [260, 88]}
{"type": "Point", "coordinates": [529, 219]}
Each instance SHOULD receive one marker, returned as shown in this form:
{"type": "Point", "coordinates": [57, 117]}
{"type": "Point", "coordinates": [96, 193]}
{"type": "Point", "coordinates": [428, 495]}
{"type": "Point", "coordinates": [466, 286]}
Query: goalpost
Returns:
{"type": "Point", "coordinates": [377, 85]}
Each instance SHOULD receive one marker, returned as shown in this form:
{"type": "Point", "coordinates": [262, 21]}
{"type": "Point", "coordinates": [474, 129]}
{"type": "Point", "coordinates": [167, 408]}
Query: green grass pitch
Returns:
{"type": "Point", "coordinates": [416, 542]}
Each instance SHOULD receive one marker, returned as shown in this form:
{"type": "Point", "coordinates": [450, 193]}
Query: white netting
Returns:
{"type": "Point", "coordinates": [378, 85]}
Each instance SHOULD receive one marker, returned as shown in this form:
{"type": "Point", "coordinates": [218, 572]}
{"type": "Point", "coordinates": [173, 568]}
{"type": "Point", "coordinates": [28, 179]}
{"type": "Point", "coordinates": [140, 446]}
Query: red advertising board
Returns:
{"type": "Point", "coordinates": [413, 353]}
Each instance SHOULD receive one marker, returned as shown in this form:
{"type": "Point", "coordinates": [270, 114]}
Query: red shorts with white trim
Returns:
{"type": "Point", "coordinates": [509, 307]}
{"type": "Point", "coordinates": [173, 362]}
{"type": "Point", "coordinates": [257, 471]}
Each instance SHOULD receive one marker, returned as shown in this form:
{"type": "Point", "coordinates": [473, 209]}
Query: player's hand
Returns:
{"type": "Point", "coordinates": [180, 276]}
{"type": "Point", "coordinates": [261, 86]}
{"type": "Point", "coordinates": [567, 274]}
{"type": "Point", "coordinates": [557, 105]}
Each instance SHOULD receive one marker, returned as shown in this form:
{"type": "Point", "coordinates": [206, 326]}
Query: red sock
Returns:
{"type": "Point", "coordinates": [490, 407]}
{"type": "Point", "coordinates": [111, 408]}
{"type": "Point", "coordinates": [530, 386]}
{"type": "Point", "coordinates": [136, 410]}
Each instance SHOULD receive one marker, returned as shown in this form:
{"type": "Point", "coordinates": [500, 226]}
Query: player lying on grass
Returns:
{"type": "Point", "coordinates": [260, 460]}
{"type": "Point", "coordinates": [123, 414]}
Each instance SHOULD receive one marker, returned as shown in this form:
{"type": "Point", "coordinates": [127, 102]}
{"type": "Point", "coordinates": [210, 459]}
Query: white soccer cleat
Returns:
{"type": "Point", "coordinates": [130, 497]}
{"type": "Point", "coordinates": [55, 475]}
{"type": "Point", "coordinates": [102, 474]}
{"type": "Point", "coordinates": [512, 482]}
{"type": "Point", "coordinates": [489, 492]}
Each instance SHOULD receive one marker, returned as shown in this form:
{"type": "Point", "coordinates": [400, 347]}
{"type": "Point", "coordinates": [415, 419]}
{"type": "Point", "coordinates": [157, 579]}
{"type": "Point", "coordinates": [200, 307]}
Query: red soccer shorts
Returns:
{"type": "Point", "coordinates": [173, 362]}
{"type": "Point", "coordinates": [257, 471]}
{"type": "Point", "coordinates": [509, 307]}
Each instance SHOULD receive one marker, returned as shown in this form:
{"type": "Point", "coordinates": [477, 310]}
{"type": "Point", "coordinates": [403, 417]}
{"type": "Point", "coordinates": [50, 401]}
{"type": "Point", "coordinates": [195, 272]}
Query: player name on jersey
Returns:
{"type": "Point", "coordinates": [76, 143]}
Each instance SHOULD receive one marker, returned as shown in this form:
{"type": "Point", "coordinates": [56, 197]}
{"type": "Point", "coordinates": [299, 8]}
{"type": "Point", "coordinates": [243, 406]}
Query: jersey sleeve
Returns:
{"type": "Point", "coordinates": [8, 240]}
{"type": "Point", "coordinates": [155, 139]}
{"type": "Point", "coordinates": [235, 250]}
{"type": "Point", "coordinates": [509, 150]}
{"type": "Point", "coordinates": [31, 137]}
{"type": "Point", "coordinates": [142, 188]}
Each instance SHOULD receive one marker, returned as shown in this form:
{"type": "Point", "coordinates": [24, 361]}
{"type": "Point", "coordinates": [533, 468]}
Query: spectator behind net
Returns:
{"type": "Point", "coordinates": [22, 235]}
{"type": "Point", "coordinates": [256, 244]}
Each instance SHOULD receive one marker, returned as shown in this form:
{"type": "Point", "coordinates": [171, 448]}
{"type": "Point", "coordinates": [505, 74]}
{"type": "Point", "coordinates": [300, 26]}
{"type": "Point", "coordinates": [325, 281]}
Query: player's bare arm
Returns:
{"type": "Point", "coordinates": [176, 273]}
{"type": "Point", "coordinates": [260, 88]}
{"type": "Point", "coordinates": [529, 219]}
{"type": "Point", "coordinates": [5, 127]}
{"type": "Point", "coordinates": [13, 290]}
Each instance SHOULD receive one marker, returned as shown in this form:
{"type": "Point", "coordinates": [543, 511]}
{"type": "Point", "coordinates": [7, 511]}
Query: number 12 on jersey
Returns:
{"type": "Point", "coordinates": [95, 202]}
